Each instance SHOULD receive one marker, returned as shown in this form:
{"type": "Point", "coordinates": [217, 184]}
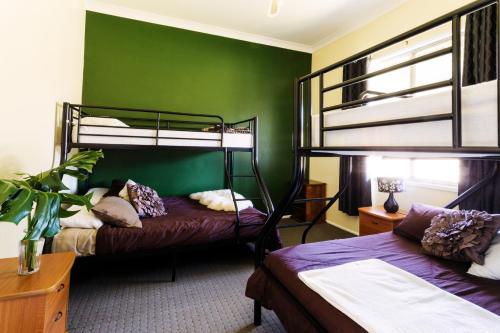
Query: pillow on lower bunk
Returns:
{"type": "Point", "coordinates": [460, 235]}
{"type": "Point", "coordinates": [417, 220]}
{"type": "Point", "coordinates": [117, 212]}
{"type": "Point", "coordinates": [221, 200]}
{"type": "Point", "coordinates": [85, 219]}
{"type": "Point", "coordinates": [145, 201]}
{"type": "Point", "coordinates": [491, 267]}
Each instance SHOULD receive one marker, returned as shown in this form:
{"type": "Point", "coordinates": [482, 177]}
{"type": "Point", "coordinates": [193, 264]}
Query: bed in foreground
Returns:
{"type": "Point", "coordinates": [285, 264]}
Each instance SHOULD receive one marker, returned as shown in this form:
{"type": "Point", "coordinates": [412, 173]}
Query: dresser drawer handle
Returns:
{"type": "Point", "coordinates": [58, 316]}
{"type": "Point", "coordinates": [375, 222]}
{"type": "Point", "coordinates": [61, 287]}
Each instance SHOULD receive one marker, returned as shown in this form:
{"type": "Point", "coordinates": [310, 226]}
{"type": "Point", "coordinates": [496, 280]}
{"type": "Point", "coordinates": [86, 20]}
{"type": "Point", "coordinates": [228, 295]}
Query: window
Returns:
{"type": "Point", "coordinates": [430, 71]}
{"type": "Point", "coordinates": [432, 172]}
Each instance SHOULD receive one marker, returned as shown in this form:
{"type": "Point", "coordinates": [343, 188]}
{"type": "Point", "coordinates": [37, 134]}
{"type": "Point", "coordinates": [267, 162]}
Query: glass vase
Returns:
{"type": "Point", "coordinates": [30, 253]}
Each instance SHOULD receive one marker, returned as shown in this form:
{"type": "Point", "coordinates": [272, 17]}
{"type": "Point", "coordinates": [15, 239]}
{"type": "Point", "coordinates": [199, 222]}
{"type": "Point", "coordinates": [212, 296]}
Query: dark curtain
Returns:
{"type": "Point", "coordinates": [358, 193]}
{"type": "Point", "coordinates": [480, 66]}
{"type": "Point", "coordinates": [480, 46]}
{"type": "Point", "coordinates": [487, 199]}
{"type": "Point", "coordinates": [350, 71]}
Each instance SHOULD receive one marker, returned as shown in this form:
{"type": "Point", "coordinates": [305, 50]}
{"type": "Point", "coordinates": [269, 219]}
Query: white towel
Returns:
{"type": "Point", "coordinates": [382, 298]}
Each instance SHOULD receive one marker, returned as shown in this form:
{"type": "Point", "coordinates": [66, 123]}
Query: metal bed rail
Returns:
{"type": "Point", "coordinates": [144, 119]}
{"type": "Point", "coordinates": [303, 133]}
{"type": "Point", "coordinates": [304, 88]}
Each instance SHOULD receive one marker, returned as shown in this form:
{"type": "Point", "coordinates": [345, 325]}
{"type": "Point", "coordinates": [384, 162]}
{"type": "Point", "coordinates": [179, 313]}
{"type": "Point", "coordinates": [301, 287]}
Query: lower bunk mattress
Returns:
{"type": "Point", "coordinates": [286, 263]}
{"type": "Point", "coordinates": [186, 223]}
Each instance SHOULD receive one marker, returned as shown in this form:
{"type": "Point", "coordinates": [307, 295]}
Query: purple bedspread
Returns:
{"type": "Point", "coordinates": [398, 251]}
{"type": "Point", "coordinates": [187, 223]}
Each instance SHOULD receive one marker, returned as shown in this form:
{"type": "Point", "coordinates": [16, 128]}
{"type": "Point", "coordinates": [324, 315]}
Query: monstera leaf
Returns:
{"type": "Point", "coordinates": [38, 199]}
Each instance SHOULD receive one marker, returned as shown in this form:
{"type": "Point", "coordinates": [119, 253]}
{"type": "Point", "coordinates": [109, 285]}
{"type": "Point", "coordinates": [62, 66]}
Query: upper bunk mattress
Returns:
{"type": "Point", "coordinates": [286, 263]}
{"type": "Point", "coordinates": [187, 222]}
{"type": "Point", "coordinates": [147, 137]}
{"type": "Point", "coordinates": [479, 121]}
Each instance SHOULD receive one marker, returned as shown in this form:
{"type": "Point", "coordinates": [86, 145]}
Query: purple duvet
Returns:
{"type": "Point", "coordinates": [186, 223]}
{"type": "Point", "coordinates": [286, 263]}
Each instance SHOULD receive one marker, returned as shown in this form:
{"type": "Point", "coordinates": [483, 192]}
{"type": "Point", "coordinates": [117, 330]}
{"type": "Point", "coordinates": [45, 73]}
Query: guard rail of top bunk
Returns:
{"type": "Point", "coordinates": [303, 147]}
{"type": "Point", "coordinates": [157, 120]}
{"type": "Point", "coordinates": [150, 119]}
{"type": "Point", "coordinates": [303, 139]}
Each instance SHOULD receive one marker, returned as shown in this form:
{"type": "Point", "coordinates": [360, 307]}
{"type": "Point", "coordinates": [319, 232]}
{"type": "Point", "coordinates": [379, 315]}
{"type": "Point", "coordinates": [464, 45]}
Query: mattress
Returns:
{"type": "Point", "coordinates": [186, 223]}
{"type": "Point", "coordinates": [138, 136]}
{"type": "Point", "coordinates": [286, 263]}
{"type": "Point", "coordinates": [479, 120]}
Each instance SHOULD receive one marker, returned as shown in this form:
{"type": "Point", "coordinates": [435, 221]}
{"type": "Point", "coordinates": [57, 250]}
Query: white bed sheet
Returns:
{"type": "Point", "coordinates": [147, 137]}
{"type": "Point", "coordinates": [479, 120]}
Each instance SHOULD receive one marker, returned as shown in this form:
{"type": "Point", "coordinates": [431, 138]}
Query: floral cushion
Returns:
{"type": "Point", "coordinates": [145, 200]}
{"type": "Point", "coordinates": [460, 235]}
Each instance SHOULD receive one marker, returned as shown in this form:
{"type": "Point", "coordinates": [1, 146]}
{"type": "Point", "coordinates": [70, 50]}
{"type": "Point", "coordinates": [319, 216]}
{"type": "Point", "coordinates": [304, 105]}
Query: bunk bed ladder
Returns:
{"type": "Point", "coordinates": [230, 176]}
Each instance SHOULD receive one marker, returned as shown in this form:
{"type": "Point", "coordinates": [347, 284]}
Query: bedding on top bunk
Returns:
{"type": "Point", "coordinates": [479, 120]}
{"type": "Point", "coordinates": [187, 223]}
{"type": "Point", "coordinates": [285, 264]}
{"type": "Point", "coordinates": [91, 133]}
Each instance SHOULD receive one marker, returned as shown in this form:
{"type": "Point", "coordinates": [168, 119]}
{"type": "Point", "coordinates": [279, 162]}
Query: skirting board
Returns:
{"type": "Point", "coordinates": [343, 228]}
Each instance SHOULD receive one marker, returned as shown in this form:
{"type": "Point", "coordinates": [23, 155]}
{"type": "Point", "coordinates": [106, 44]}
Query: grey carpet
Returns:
{"type": "Point", "coordinates": [134, 295]}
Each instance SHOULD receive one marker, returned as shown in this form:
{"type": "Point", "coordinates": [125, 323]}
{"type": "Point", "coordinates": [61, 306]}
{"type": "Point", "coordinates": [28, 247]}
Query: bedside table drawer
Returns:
{"type": "Point", "coordinates": [370, 225]}
{"type": "Point", "coordinates": [57, 308]}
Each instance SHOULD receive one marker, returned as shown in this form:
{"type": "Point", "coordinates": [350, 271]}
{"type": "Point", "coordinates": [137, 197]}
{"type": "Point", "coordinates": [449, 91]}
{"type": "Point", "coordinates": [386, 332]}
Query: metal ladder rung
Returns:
{"type": "Point", "coordinates": [312, 199]}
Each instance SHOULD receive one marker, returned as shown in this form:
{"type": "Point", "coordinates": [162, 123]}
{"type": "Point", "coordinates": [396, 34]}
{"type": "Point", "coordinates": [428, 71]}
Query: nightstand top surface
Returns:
{"type": "Point", "coordinates": [53, 269]}
{"type": "Point", "coordinates": [379, 211]}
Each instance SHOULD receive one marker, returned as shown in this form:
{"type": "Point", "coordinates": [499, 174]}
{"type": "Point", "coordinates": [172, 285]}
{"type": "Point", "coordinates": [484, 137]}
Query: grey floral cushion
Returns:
{"type": "Point", "coordinates": [145, 200]}
{"type": "Point", "coordinates": [460, 235]}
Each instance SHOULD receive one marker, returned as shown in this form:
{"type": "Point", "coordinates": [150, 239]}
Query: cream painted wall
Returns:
{"type": "Point", "coordinates": [409, 15]}
{"type": "Point", "coordinates": [41, 66]}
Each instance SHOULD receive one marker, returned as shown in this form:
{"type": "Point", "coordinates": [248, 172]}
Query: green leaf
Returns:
{"type": "Point", "coordinates": [54, 225]}
{"type": "Point", "coordinates": [63, 213]}
{"type": "Point", "coordinates": [78, 200]}
{"type": "Point", "coordinates": [7, 190]}
{"type": "Point", "coordinates": [52, 182]}
{"type": "Point", "coordinates": [40, 220]}
{"type": "Point", "coordinates": [18, 207]}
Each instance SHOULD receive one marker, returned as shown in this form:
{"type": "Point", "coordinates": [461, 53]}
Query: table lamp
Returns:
{"type": "Point", "coordinates": [390, 185]}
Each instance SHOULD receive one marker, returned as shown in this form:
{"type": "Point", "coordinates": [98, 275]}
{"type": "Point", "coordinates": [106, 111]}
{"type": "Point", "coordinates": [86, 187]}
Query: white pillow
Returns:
{"type": "Point", "coordinates": [220, 200]}
{"type": "Point", "coordinates": [85, 219]}
{"type": "Point", "coordinates": [491, 267]}
{"type": "Point", "coordinates": [124, 191]}
{"type": "Point", "coordinates": [102, 121]}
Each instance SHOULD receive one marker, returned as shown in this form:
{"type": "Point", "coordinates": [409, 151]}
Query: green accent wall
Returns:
{"type": "Point", "coordinates": [136, 64]}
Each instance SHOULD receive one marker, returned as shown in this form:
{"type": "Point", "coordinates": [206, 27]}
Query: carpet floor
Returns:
{"type": "Point", "coordinates": [135, 295]}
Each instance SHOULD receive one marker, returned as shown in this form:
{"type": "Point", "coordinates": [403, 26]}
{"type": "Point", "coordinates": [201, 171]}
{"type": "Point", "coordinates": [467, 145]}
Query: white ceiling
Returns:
{"type": "Point", "coordinates": [301, 24]}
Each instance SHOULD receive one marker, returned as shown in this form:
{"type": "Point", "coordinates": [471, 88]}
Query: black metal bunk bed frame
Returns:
{"type": "Point", "coordinates": [158, 120]}
{"type": "Point", "coordinates": [303, 148]}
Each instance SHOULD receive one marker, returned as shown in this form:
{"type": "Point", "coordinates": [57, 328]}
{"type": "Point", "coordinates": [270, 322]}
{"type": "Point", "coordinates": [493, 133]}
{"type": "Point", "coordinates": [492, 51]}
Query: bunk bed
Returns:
{"type": "Point", "coordinates": [447, 120]}
{"type": "Point", "coordinates": [188, 223]}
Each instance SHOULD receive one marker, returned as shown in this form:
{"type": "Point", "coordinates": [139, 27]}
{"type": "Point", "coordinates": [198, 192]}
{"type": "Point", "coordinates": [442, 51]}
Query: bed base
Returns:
{"type": "Point", "coordinates": [303, 148]}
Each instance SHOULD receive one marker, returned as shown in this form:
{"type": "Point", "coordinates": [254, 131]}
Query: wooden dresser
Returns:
{"type": "Point", "coordinates": [374, 220]}
{"type": "Point", "coordinates": [307, 211]}
{"type": "Point", "coordinates": [37, 302]}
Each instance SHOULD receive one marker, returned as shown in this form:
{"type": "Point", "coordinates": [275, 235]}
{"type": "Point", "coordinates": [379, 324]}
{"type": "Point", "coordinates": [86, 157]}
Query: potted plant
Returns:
{"type": "Point", "coordinates": [39, 199]}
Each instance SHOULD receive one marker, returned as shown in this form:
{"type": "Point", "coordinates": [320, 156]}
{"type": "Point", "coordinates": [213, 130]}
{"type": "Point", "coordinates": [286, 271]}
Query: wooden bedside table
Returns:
{"type": "Point", "coordinates": [308, 210]}
{"type": "Point", "coordinates": [37, 302]}
{"type": "Point", "coordinates": [374, 220]}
